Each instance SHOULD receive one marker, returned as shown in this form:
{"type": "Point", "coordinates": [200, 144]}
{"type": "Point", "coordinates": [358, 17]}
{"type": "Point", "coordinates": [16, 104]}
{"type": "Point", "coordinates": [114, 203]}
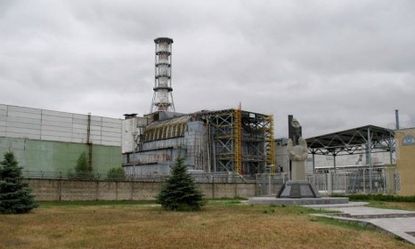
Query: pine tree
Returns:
{"type": "Point", "coordinates": [15, 196]}
{"type": "Point", "coordinates": [179, 193]}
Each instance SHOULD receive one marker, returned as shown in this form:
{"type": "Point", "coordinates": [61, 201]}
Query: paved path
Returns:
{"type": "Point", "coordinates": [398, 222]}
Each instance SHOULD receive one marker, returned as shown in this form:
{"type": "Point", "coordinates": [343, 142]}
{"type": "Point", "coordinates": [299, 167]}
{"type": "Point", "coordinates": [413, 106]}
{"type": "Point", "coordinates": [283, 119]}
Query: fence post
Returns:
{"type": "Point", "coordinates": [345, 183]}
{"type": "Point", "coordinates": [132, 190]}
{"type": "Point", "coordinates": [60, 189]}
{"type": "Point", "coordinates": [330, 183]}
{"type": "Point", "coordinates": [96, 190]}
{"type": "Point", "coordinates": [116, 190]}
{"type": "Point", "coordinates": [364, 180]}
{"type": "Point", "coordinates": [213, 187]}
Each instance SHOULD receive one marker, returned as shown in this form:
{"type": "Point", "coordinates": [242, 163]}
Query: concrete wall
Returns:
{"type": "Point", "coordinates": [71, 190]}
{"type": "Point", "coordinates": [37, 155]}
{"type": "Point", "coordinates": [405, 163]}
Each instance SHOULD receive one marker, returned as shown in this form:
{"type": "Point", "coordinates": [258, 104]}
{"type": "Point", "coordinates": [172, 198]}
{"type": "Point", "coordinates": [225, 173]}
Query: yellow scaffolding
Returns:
{"type": "Point", "coordinates": [270, 144]}
{"type": "Point", "coordinates": [237, 133]}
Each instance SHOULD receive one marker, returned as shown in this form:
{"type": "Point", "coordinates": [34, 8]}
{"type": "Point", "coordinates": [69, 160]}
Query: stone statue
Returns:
{"type": "Point", "coordinates": [298, 154]}
{"type": "Point", "coordinates": [297, 150]}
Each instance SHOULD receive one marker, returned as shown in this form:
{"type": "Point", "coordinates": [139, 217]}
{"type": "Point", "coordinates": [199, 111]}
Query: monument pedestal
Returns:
{"type": "Point", "coordinates": [298, 189]}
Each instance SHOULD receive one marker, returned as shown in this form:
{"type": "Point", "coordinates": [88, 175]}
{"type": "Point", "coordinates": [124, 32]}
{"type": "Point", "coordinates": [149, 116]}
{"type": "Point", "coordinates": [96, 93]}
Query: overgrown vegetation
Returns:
{"type": "Point", "coordinates": [116, 174]}
{"type": "Point", "coordinates": [179, 192]}
{"type": "Point", "coordinates": [83, 169]}
{"type": "Point", "coordinates": [15, 196]}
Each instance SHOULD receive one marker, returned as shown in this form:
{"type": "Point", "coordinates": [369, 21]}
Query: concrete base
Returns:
{"type": "Point", "coordinates": [298, 189]}
{"type": "Point", "coordinates": [297, 201]}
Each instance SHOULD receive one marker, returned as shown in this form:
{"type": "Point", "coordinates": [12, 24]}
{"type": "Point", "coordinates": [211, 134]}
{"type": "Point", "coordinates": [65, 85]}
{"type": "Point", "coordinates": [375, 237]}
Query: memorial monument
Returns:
{"type": "Point", "coordinates": [297, 187]}
{"type": "Point", "coordinates": [296, 191]}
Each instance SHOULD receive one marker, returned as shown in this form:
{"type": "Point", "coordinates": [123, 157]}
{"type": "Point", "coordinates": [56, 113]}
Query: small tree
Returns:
{"type": "Point", "coordinates": [116, 174]}
{"type": "Point", "coordinates": [82, 168]}
{"type": "Point", "coordinates": [179, 192]}
{"type": "Point", "coordinates": [15, 196]}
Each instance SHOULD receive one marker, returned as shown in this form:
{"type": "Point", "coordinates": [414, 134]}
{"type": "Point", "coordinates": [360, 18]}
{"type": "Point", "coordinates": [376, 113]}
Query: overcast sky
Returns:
{"type": "Point", "coordinates": [332, 64]}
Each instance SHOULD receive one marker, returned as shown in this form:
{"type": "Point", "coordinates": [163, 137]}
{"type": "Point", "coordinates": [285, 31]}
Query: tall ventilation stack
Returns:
{"type": "Point", "coordinates": [163, 97]}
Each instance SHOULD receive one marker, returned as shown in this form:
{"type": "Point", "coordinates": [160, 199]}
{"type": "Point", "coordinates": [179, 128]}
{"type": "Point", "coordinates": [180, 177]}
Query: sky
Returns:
{"type": "Point", "coordinates": [334, 65]}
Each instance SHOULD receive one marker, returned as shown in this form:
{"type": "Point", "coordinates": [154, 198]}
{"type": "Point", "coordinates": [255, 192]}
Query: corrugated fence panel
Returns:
{"type": "Point", "coordinates": [57, 123]}
{"type": "Point", "coordinates": [55, 138]}
{"type": "Point", "coordinates": [56, 113]}
{"type": "Point", "coordinates": [115, 130]}
{"type": "Point", "coordinates": [57, 134]}
{"type": "Point", "coordinates": [111, 143]}
{"type": "Point", "coordinates": [51, 125]}
{"type": "Point", "coordinates": [3, 111]}
{"type": "Point", "coordinates": [11, 108]}
{"type": "Point", "coordinates": [107, 122]}
{"type": "Point", "coordinates": [96, 139]}
{"type": "Point", "coordinates": [23, 115]}
{"type": "Point", "coordinates": [22, 135]}
{"type": "Point", "coordinates": [63, 121]}
{"type": "Point", "coordinates": [35, 127]}
{"type": "Point", "coordinates": [2, 128]}
{"type": "Point", "coordinates": [63, 129]}
{"type": "Point", "coordinates": [18, 128]}
{"type": "Point", "coordinates": [25, 120]}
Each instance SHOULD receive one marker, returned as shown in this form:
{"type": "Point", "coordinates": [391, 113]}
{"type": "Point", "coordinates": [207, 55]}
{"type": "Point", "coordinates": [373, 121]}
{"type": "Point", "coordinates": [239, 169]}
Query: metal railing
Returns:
{"type": "Point", "coordinates": [198, 177]}
{"type": "Point", "coordinates": [360, 180]}
{"type": "Point", "coordinates": [270, 184]}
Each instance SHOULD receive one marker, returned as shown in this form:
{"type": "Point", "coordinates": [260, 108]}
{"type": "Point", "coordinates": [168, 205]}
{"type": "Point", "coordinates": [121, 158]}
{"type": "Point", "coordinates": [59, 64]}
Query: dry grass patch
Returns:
{"type": "Point", "coordinates": [225, 225]}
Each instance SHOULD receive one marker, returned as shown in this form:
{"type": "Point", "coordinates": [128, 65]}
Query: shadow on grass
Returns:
{"type": "Point", "coordinates": [46, 204]}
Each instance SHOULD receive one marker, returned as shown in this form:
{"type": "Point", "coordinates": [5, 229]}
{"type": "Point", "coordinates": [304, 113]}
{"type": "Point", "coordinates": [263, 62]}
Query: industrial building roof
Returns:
{"type": "Point", "coordinates": [171, 121]}
{"type": "Point", "coordinates": [352, 140]}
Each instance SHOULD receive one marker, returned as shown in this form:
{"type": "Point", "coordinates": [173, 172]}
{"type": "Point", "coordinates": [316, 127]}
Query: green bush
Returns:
{"type": "Point", "coordinates": [116, 174]}
{"type": "Point", "coordinates": [179, 192]}
{"type": "Point", "coordinates": [83, 169]}
{"type": "Point", "coordinates": [15, 196]}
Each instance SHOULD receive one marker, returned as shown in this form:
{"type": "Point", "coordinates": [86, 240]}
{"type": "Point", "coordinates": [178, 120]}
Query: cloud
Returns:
{"type": "Point", "coordinates": [333, 64]}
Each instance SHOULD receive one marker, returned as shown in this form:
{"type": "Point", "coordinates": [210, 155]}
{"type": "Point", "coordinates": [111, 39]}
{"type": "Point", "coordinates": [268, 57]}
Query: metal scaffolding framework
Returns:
{"type": "Point", "coordinates": [270, 144]}
{"type": "Point", "coordinates": [240, 141]}
{"type": "Point", "coordinates": [237, 131]}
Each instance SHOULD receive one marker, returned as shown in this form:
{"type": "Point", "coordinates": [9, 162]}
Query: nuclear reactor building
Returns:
{"type": "Point", "coordinates": [220, 141]}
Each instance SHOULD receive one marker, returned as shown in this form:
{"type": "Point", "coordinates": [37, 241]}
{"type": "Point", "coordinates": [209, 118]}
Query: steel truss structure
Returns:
{"type": "Point", "coordinates": [240, 141]}
{"type": "Point", "coordinates": [362, 140]}
{"type": "Point", "coordinates": [354, 141]}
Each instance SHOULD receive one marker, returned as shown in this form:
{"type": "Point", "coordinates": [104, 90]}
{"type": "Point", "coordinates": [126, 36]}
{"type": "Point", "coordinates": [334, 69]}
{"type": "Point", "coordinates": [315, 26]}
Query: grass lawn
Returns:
{"type": "Point", "coordinates": [394, 205]}
{"type": "Point", "coordinates": [222, 224]}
